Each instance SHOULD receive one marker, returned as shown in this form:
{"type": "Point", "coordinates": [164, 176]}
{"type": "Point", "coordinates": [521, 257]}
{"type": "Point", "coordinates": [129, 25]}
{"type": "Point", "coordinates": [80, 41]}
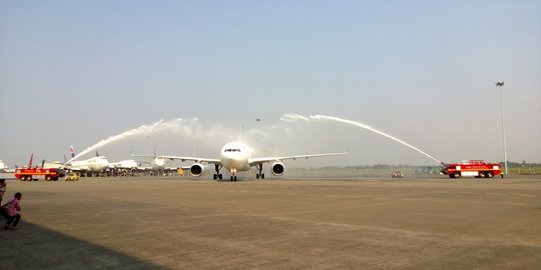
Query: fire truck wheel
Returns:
{"type": "Point", "coordinates": [490, 174]}
{"type": "Point", "coordinates": [481, 175]}
{"type": "Point", "coordinates": [456, 174]}
{"type": "Point", "coordinates": [48, 178]}
{"type": "Point", "coordinates": [23, 178]}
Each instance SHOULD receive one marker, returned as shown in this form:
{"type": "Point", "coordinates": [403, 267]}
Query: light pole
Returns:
{"type": "Point", "coordinates": [193, 142]}
{"type": "Point", "coordinates": [500, 84]}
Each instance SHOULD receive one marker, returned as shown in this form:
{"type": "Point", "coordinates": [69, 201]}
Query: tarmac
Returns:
{"type": "Point", "coordinates": [421, 222]}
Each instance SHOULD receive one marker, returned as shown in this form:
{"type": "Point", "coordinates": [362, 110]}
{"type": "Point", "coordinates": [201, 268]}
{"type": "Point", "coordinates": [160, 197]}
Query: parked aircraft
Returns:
{"type": "Point", "coordinates": [91, 166]}
{"type": "Point", "coordinates": [235, 157]}
{"type": "Point", "coordinates": [3, 167]}
{"type": "Point", "coordinates": [157, 165]}
{"type": "Point", "coordinates": [124, 167]}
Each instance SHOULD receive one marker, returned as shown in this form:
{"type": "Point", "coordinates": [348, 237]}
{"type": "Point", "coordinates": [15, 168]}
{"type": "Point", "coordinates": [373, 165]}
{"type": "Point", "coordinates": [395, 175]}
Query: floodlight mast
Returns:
{"type": "Point", "coordinates": [500, 84]}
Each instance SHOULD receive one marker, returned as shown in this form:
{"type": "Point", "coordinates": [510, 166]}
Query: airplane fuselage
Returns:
{"type": "Point", "coordinates": [158, 164]}
{"type": "Point", "coordinates": [95, 164]}
{"type": "Point", "coordinates": [235, 157]}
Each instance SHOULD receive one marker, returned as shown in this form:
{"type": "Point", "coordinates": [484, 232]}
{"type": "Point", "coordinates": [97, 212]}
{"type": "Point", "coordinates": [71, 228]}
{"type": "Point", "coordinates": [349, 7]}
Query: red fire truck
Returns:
{"type": "Point", "coordinates": [35, 173]}
{"type": "Point", "coordinates": [29, 174]}
{"type": "Point", "coordinates": [475, 168]}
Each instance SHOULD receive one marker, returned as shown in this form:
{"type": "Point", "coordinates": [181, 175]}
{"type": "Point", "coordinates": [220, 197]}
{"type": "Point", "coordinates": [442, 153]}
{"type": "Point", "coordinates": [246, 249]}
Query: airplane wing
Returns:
{"type": "Point", "coordinates": [78, 168]}
{"type": "Point", "coordinates": [134, 155]}
{"type": "Point", "coordinates": [196, 159]}
{"type": "Point", "coordinates": [256, 161]}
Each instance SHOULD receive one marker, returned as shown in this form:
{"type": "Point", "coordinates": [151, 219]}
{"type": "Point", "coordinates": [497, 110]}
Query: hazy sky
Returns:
{"type": "Point", "coordinates": [76, 72]}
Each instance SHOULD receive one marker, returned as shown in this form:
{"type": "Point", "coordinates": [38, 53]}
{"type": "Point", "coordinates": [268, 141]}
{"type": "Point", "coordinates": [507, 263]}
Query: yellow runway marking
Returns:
{"type": "Point", "coordinates": [517, 204]}
{"type": "Point", "coordinates": [475, 202]}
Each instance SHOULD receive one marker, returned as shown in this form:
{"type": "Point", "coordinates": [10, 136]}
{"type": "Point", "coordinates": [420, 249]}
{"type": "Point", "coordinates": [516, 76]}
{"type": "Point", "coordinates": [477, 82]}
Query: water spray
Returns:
{"type": "Point", "coordinates": [137, 131]}
{"type": "Point", "coordinates": [296, 117]}
{"type": "Point", "coordinates": [154, 126]}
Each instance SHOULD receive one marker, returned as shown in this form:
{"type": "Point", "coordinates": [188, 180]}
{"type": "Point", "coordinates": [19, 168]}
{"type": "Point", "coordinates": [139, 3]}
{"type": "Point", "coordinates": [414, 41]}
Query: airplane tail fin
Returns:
{"type": "Point", "coordinates": [72, 152]}
{"type": "Point", "coordinates": [43, 163]}
{"type": "Point", "coordinates": [31, 158]}
{"type": "Point", "coordinates": [97, 154]}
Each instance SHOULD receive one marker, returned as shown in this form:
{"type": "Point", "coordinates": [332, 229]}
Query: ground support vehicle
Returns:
{"type": "Point", "coordinates": [475, 168]}
{"type": "Point", "coordinates": [29, 174]}
{"type": "Point", "coordinates": [397, 174]}
{"type": "Point", "coordinates": [72, 176]}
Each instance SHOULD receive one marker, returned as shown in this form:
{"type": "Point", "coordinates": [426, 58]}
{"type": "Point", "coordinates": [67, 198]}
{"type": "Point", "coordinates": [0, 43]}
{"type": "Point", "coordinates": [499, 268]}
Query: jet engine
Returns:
{"type": "Point", "coordinates": [278, 168]}
{"type": "Point", "coordinates": [197, 169]}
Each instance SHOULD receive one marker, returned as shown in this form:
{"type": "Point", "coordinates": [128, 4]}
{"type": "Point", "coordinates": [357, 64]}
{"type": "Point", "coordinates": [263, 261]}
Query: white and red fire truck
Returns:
{"type": "Point", "coordinates": [29, 174]}
{"type": "Point", "coordinates": [35, 173]}
{"type": "Point", "coordinates": [475, 168]}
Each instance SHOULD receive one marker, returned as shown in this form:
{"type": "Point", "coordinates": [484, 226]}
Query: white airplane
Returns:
{"type": "Point", "coordinates": [124, 166]}
{"type": "Point", "coordinates": [92, 165]}
{"type": "Point", "coordinates": [235, 157]}
{"type": "Point", "coordinates": [157, 165]}
{"type": "Point", "coordinates": [3, 167]}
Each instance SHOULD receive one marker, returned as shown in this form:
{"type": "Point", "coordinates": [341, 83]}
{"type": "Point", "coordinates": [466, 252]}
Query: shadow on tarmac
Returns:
{"type": "Point", "coordinates": [35, 247]}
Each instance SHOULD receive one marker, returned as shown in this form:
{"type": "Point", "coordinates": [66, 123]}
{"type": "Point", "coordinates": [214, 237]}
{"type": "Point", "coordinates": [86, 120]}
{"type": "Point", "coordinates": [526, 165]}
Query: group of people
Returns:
{"type": "Point", "coordinates": [11, 209]}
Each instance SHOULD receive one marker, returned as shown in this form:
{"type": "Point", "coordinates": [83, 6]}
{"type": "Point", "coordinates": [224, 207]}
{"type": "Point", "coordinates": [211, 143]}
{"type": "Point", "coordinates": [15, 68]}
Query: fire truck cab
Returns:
{"type": "Point", "coordinates": [475, 168]}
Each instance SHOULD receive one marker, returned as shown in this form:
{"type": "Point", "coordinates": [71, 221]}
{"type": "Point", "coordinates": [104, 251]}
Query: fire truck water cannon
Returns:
{"type": "Point", "coordinates": [475, 168]}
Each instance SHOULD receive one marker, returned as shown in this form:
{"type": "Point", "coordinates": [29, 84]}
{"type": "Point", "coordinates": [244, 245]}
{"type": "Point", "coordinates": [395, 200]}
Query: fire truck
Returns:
{"type": "Point", "coordinates": [35, 173]}
{"type": "Point", "coordinates": [475, 168]}
{"type": "Point", "coordinates": [29, 174]}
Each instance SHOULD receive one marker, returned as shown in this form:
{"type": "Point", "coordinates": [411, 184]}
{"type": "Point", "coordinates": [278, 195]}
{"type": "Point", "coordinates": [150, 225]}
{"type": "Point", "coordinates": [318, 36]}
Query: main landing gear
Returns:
{"type": "Point", "coordinates": [217, 175]}
{"type": "Point", "coordinates": [260, 174]}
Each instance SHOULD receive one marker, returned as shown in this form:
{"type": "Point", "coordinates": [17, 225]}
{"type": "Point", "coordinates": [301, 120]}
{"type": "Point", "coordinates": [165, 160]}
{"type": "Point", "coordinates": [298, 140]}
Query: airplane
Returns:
{"type": "Point", "coordinates": [157, 165]}
{"type": "Point", "coordinates": [91, 166]}
{"type": "Point", "coordinates": [235, 157]}
{"type": "Point", "coordinates": [3, 167]}
{"type": "Point", "coordinates": [124, 166]}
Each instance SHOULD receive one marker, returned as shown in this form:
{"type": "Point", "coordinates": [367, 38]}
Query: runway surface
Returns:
{"type": "Point", "coordinates": [182, 223]}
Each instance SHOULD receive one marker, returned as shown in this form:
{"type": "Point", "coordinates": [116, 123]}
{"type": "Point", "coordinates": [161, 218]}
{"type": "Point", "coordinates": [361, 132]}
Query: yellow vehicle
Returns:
{"type": "Point", "coordinates": [397, 174]}
{"type": "Point", "coordinates": [72, 176]}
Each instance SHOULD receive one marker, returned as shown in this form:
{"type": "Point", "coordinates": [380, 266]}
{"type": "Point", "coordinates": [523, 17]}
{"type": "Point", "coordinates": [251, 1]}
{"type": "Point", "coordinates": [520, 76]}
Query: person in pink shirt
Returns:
{"type": "Point", "coordinates": [12, 214]}
{"type": "Point", "coordinates": [2, 189]}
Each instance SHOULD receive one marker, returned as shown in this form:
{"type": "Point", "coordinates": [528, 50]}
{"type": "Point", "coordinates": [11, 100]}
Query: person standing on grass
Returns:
{"type": "Point", "coordinates": [12, 213]}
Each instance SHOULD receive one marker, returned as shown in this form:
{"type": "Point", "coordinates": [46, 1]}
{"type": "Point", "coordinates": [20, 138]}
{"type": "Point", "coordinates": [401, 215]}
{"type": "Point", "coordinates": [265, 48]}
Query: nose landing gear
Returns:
{"type": "Point", "coordinates": [233, 175]}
